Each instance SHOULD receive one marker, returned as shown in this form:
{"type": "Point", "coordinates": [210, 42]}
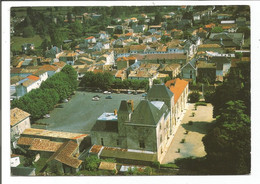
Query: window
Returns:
{"type": "Point", "coordinates": [117, 142]}
{"type": "Point", "coordinates": [102, 142]}
{"type": "Point", "coordinates": [190, 74]}
{"type": "Point", "coordinates": [141, 144]}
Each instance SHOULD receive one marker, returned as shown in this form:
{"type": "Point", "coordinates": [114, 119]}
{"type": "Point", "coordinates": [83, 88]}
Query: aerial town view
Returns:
{"type": "Point", "coordinates": [130, 90]}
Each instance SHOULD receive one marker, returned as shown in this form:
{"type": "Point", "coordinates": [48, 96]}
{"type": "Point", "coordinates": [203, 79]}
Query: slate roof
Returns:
{"type": "Point", "coordinates": [17, 115]}
{"type": "Point", "coordinates": [124, 107]}
{"type": "Point", "coordinates": [147, 114]}
{"type": "Point", "coordinates": [105, 126]}
{"type": "Point", "coordinates": [159, 91]}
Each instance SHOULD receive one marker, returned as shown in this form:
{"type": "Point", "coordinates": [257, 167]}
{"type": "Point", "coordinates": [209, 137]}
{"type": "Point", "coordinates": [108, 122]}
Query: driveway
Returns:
{"type": "Point", "coordinates": [81, 113]}
{"type": "Point", "coordinates": [193, 145]}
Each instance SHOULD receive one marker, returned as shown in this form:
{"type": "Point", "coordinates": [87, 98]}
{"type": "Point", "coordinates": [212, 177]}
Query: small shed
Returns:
{"type": "Point", "coordinates": [109, 166]}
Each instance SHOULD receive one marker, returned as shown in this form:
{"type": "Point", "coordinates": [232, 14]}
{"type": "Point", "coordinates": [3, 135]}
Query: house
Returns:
{"type": "Point", "coordinates": [167, 58]}
{"type": "Point", "coordinates": [230, 28]}
{"type": "Point", "coordinates": [43, 75]}
{"type": "Point", "coordinates": [138, 28]}
{"type": "Point", "coordinates": [15, 160]}
{"type": "Point", "coordinates": [206, 72]}
{"type": "Point", "coordinates": [19, 121]}
{"type": "Point", "coordinates": [125, 62]}
{"type": "Point", "coordinates": [50, 69]}
{"type": "Point", "coordinates": [68, 57]}
{"type": "Point", "coordinates": [26, 85]}
{"type": "Point", "coordinates": [180, 89]}
{"type": "Point", "coordinates": [44, 147]}
{"type": "Point", "coordinates": [65, 158]}
{"type": "Point", "coordinates": [223, 65]}
{"type": "Point", "coordinates": [53, 52]}
{"type": "Point", "coordinates": [55, 135]}
{"type": "Point", "coordinates": [189, 70]}
{"type": "Point", "coordinates": [137, 49]}
{"type": "Point", "coordinates": [142, 134]}
{"type": "Point", "coordinates": [121, 74]}
{"type": "Point", "coordinates": [175, 46]}
{"type": "Point", "coordinates": [173, 70]}
{"type": "Point", "coordinates": [90, 40]}
{"type": "Point", "coordinates": [227, 40]}
{"type": "Point", "coordinates": [210, 48]}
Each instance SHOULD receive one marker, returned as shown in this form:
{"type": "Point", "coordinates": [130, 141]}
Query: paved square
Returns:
{"type": "Point", "coordinates": [80, 113]}
{"type": "Point", "coordinates": [193, 145]}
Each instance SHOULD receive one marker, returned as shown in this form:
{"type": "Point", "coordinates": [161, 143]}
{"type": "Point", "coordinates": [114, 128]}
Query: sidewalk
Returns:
{"type": "Point", "coordinates": [193, 145]}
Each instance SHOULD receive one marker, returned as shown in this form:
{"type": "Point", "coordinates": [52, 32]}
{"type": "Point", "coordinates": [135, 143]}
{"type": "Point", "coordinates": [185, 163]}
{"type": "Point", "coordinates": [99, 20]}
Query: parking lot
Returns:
{"type": "Point", "coordinates": [80, 113]}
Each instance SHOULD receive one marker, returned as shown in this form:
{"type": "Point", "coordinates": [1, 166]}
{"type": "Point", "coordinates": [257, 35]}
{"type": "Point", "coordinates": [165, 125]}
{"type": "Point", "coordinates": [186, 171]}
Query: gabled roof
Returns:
{"type": "Point", "coordinates": [65, 154]}
{"type": "Point", "coordinates": [191, 64]}
{"type": "Point", "coordinates": [146, 114]}
{"type": "Point", "coordinates": [17, 115]}
{"type": "Point", "coordinates": [159, 91]}
{"type": "Point", "coordinates": [89, 38]}
{"type": "Point", "coordinates": [177, 86]}
{"type": "Point", "coordinates": [124, 107]}
{"type": "Point", "coordinates": [49, 68]}
{"type": "Point", "coordinates": [107, 166]}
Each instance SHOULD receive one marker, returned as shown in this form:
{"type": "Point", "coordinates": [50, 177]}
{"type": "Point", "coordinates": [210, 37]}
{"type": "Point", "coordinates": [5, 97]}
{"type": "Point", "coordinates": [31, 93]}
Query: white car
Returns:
{"type": "Point", "coordinates": [107, 92]}
{"type": "Point", "coordinates": [46, 116]}
{"type": "Point", "coordinates": [95, 99]}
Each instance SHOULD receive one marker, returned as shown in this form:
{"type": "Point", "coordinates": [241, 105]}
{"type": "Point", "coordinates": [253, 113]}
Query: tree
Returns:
{"type": "Point", "coordinates": [216, 30]}
{"type": "Point", "coordinates": [244, 30]}
{"type": "Point", "coordinates": [228, 144]}
{"type": "Point", "coordinates": [77, 28]}
{"type": "Point", "coordinates": [45, 44]}
{"type": "Point", "coordinates": [156, 81]}
{"type": "Point", "coordinates": [194, 97]}
{"type": "Point", "coordinates": [28, 32]}
{"type": "Point", "coordinates": [167, 79]}
{"type": "Point", "coordinates": [91, 163]}
{"type": "Point", "coordinates": [58, 35]}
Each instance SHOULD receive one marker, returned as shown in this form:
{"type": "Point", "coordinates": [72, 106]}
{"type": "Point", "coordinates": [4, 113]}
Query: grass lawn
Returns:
{"type": "Point", "coordinates": [17, 41]}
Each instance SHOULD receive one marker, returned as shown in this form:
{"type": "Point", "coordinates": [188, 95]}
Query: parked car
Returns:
{"type": "Point", "coordinates": [97, 96]}
{"type": "Point", "coordinates": [107, 92]}
{"type": "Point", "coordinates": [144, 95]}
{"type": "Point", "coordinates": [65, 100]}
{"type": "Point", "coordinates": [109, 97]}
{"type": "Point", "coordinates": [95, 99]}
{"type": "Point", "coordinates": [46, 116]}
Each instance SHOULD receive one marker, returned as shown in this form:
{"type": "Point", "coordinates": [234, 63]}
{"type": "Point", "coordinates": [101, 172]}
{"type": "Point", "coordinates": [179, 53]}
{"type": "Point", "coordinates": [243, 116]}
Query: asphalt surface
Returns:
{"type": "Point", "coordinates": [80, 113]}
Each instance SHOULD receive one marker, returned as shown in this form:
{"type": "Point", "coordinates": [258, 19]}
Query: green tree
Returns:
{"type": "Point", "coordinates": [228, 144]}
{"type": "Point", "coordinates": [58, 36]}
{"type": "Point", "coordinates": [45, 43]}
{"type": "Point", "coordinates": [28, 32]}
{"type": "Point", "coordinates": [91, 163]}
{"type": "Point", "coordinates": [244, 30]}
{"type": "Point", "coordinates": [194, 96]}
{"type": "Point", "coordinates": [217, 30]}
{"type": "Point", "coordinates": [77, 28]}
{"type": "Point", "coordinates": [156, 81]}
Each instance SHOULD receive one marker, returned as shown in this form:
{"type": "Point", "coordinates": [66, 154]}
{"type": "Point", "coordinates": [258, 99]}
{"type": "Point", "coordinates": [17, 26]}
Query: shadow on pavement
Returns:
{"type": "Point", "coordinates": [199, 126]}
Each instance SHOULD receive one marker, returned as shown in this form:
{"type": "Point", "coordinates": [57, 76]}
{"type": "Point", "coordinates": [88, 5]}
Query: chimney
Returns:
{"type": "Point", "coordinates": [115, 112]}
{"type": "Point", "coordinates": [131, 104]}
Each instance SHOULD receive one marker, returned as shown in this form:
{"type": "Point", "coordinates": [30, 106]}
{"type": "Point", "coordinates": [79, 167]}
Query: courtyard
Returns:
{"type": "Point", "coordinates": [80, 113]}
{"type": "Point", "coordinates": [190, 144]}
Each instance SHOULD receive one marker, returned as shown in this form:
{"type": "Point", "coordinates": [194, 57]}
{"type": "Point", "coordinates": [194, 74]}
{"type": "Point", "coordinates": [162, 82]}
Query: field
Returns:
{"type": "Point", "coordinates": [17, 41]}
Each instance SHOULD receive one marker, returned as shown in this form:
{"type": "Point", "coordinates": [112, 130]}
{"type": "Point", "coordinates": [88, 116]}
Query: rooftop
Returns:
{"type": "Point", "coordinates": [107, 166]}
{"type": "Point", "coordinates": [65, 154]}
{"type": "Point", "coordinates": [17, 115]}
{"type": "Point", "coordinates": [177, 86]}
{"type": "Point", "coordinates": [49, 133]}
{"type": "Point", "coordinates": [157, 104]}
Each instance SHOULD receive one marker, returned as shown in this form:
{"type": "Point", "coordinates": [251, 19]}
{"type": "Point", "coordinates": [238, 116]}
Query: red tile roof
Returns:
{"type": "Point", "coordinates": [177, 86]}
{"type": "Point", "coordinates": [89, 38]}
{"type": "Point", "coordinates": [32, 77]}
{"type": "Point", "coordinates": [48, 68]}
